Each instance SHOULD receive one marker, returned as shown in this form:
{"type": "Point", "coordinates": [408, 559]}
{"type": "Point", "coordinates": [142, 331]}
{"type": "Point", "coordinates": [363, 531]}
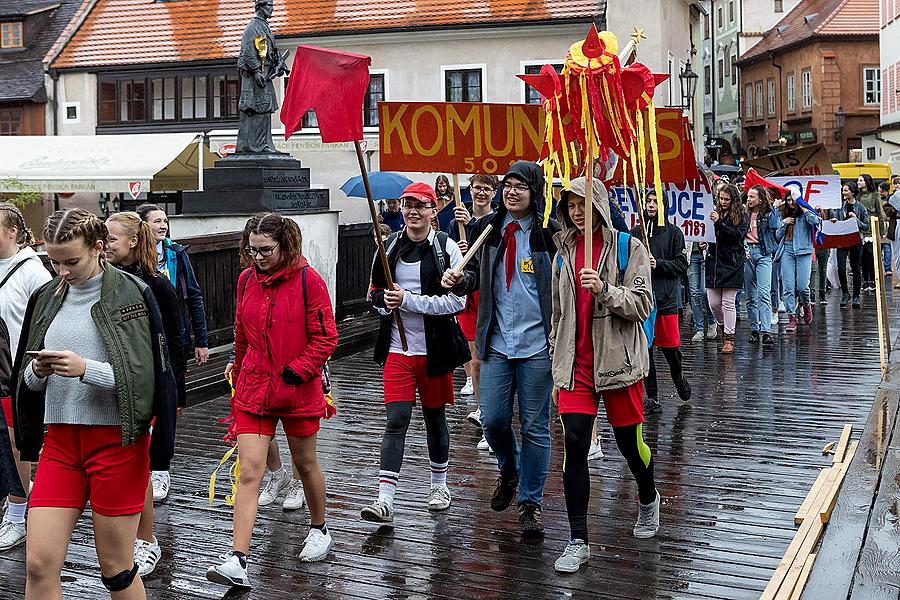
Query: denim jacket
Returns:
{"type": "Point", "coordinates": [766, 228]}
{"type": "Point", "coordinates": [804, 225]}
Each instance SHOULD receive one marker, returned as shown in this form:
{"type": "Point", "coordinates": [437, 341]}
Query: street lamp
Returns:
{"type": "Point", "coordinates": [840, 119]}
{"type": "Point", "coordinates": [688, 80]}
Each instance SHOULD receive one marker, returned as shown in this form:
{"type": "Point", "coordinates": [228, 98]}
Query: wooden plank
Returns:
{"type": "Point", "coordinates": [834, 490]}
{"type": "Point", "coordinates": [813, 492]}
{"type": "Point", "coordinates": [793, 551]}
{"type": "Point", "coordinates": [804, 576]}
{"type": "Point", "coordinates": [793, 574]}
{"type": "Point", "coordinates": [842, 444]}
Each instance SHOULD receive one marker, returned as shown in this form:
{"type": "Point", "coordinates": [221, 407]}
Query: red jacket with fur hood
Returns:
{"type": "Point", "coordinates": [283, 336]}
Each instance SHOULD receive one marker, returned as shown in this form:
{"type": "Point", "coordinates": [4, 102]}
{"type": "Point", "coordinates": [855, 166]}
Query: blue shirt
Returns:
{"type": "Point", "coordinates": [519, 326]}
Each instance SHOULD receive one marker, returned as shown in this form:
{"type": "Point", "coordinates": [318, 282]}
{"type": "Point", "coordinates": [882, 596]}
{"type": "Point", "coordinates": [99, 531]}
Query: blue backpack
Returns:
{"type": "Point", "coordinates": [623, 252]}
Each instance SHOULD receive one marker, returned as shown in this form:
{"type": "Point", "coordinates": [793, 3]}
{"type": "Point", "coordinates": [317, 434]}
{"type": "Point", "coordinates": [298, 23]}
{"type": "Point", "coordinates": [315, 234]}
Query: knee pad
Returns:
{"type": "Point", "coordinates": [119, 582]}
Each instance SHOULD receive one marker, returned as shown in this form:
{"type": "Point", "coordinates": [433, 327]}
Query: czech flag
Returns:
{"type": "Point", "coordinates": [838, 234]}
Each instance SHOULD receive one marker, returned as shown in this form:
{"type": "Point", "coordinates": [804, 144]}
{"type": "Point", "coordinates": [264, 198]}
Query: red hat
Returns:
{"type": "Point", "coordinates": [420, 191]}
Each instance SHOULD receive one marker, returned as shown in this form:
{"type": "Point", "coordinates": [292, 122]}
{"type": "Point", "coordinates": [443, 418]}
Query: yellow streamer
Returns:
{"type": "Point", "coordinates": [234, 472]}
{"type": "Point", "coordinates": [642, 159]}
{"type": "Point", "coordinates": [657, 177]}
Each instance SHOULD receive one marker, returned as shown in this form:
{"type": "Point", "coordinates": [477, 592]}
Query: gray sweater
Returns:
{"type": "Point", "coordinates": [90, 400]}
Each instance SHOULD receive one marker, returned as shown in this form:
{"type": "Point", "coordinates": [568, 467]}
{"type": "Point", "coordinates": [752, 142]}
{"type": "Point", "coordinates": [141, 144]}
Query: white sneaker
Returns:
{"type": "Point", "coordinates": [11, 534]}
{"type": "Point", "coordinates": [378, 512]}
{"type": "Point", "coordinates": [483, 445]}
{"type": "Point", "coordinates": [467, 390]}
{"type": "Point", "coordinates": [474, 418]}
{"type": "Point", "coordinates": [229, 573]}
{"type": "Point", "coordinates": [712, 332]}
{"type": "Point", "coordinates": [276, 482]}
{"type": "Point", "coordinates": [648, 520]}
{"type": "Point", "coordinates": [146, 555]}
{"type": "Point", "coordinates": [295, 498]}
{"type": "Point", "coordinates": [439, 498]}
{"type": "Point", "coordinates": [595, 452]}
{"type": "Point", "coordinates": [161, 482]}
{"type": "Point", "coordinates": [316, 546]}
{"type": "Point", "coordinates": [576, 554]}
{"type": "Point", "coordinates": [698, 337]}
{"type": "Point", "coordinates": [774, 318]}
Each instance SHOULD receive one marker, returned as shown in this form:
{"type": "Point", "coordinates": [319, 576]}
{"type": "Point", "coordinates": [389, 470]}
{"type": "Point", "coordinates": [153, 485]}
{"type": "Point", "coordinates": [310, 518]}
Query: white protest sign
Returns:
{"type": "Point", "coordinates": [689, 209]}
{"type": "Point", "coordinates": [817, 190]}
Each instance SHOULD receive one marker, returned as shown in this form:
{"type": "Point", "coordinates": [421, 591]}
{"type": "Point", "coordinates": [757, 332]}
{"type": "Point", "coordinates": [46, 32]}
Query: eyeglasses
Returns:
{"type": "Point", "coordinates": [417, 206]}
{"type": "Point", "coordinates": [510, 187]}
{"type": "Point", "coordinates": [267, 251]}
{"type": "Point", "coordinates": [482, 190]}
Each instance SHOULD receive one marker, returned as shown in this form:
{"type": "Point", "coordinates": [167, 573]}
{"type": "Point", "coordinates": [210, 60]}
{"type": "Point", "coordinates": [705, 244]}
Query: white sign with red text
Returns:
{"type": "Point", "coordinates": [689, 209]}
{"type": "Point", "coordinates": [817, 190]}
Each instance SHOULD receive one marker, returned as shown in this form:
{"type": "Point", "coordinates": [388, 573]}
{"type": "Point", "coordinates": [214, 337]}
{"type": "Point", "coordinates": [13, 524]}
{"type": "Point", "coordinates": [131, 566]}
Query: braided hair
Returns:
{"type": "Point", "coordinates": [66, 225]}
{"type": "Point", "coordinates": [135, 227]}
{"type": "Point", "coordinates": [285, 232]}
{"type": "Point", "coordinates": [11, 217]}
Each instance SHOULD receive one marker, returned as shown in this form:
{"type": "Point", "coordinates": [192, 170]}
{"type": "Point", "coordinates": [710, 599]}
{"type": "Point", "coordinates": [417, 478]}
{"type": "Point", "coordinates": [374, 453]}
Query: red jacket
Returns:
{"type": "Point", "coordinates": [274, 330]}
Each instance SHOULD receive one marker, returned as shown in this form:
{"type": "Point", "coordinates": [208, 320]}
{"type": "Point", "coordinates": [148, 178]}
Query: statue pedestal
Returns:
{"type": "Point", "coordinates": [242, 184]}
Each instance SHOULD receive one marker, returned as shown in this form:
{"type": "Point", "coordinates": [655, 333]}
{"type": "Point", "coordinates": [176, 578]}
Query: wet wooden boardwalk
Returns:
{"type": "Point", "coordinates": [732, 465]}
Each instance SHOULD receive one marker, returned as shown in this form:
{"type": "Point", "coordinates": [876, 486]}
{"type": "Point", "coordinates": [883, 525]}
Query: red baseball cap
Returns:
{"type": "Point", "coordinates": [420, 191]}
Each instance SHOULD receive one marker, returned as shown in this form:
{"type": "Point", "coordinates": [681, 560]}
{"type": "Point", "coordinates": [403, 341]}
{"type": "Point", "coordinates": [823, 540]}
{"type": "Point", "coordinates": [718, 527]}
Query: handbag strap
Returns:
{"type": "Point", "coordinates": [12, 271]}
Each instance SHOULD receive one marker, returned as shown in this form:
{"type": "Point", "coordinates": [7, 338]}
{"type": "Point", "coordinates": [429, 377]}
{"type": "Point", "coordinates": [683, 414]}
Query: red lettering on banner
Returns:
{"type": "Point", "coordinates": [811, 190]}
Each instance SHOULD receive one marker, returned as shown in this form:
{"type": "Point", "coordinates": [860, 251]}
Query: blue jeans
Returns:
{"type": "Point", "coordinates": [699, 303]}
{"type": "Point", "coordinates": [887, 255]}
{"type": "Point", "coordinates": [775, 288]}
{"type": "Point", "coordinates": [501, 379]}
{"type": "Point", "coordinates": [795, 271]}
{"type": "Point", "coordinates": [758, 276]}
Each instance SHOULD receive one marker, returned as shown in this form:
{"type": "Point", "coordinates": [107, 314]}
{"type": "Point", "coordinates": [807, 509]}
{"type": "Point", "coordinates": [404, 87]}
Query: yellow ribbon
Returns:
{"type": "Point", "coordinates": [234, 471]}
{"type": "Point", "coordinates": [654, 149]}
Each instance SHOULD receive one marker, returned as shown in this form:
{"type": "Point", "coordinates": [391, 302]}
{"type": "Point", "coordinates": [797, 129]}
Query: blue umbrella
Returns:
{"type": "Point", "coordinates": [384, 185]}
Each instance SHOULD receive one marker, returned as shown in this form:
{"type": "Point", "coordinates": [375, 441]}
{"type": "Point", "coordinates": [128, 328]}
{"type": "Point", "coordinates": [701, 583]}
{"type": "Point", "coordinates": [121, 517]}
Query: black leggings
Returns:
{"type": "Point", "coordinates": [673, 357]}
{"type": "Point", "coordinates": [394, 440]}
{"type": "Point", "coordinates": [868, 263]}
{"type": "Point", "coordinates": [576, 480]}
{"type": "Point", "coordinates": [854, 254]}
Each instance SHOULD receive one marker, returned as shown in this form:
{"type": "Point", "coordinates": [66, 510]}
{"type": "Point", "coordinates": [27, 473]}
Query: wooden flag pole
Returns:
{"type": "Point", "coordinates": [473, 249]}
{"type": "Point", "coordinates": [458, 196]}
{"type": "Point", "coordinates": [380, 241]}
{"type": "Point", "coordinates": [589, 206]}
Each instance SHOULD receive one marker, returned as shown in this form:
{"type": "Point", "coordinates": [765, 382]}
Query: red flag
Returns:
{"type": "Point", "coordinates": [333, 84]}
{"type": "Point", "coordinates": [753, 178]}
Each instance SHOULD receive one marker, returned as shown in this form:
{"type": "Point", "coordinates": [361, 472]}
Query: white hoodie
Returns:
{"type": "Point", "coordinates": [17, 290]}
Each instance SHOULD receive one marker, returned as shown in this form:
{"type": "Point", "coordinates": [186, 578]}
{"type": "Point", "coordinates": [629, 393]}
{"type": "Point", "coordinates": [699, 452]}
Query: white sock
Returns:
{"type": "Point", "coordinates": [438, 474]}
{"type": "Point", "coordinates": [387, 486]}
{"type": "Point", "coordinates": [15, 513]}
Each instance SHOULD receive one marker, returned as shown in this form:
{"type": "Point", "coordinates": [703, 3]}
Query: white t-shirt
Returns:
{"type": "Point", "coordinates": [17, 290]}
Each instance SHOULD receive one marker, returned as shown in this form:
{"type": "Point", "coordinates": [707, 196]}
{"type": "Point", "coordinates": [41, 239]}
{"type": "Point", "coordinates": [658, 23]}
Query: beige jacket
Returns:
{"type": "Point", "coordinates": [620, 347]}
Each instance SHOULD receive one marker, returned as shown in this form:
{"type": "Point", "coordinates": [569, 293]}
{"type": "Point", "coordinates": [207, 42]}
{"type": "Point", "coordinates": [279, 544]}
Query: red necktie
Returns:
{"type": "Point", "coordinates": [509, 242]}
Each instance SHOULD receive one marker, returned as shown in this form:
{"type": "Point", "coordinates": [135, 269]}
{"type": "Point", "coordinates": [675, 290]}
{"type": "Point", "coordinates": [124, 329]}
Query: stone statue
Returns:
{"type": "Point", "coordinates": [258, 64]}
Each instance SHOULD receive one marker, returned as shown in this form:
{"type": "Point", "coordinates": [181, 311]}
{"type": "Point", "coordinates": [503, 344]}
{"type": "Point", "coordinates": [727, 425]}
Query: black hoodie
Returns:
{"type": "Point", "coordinates": [667, 247]}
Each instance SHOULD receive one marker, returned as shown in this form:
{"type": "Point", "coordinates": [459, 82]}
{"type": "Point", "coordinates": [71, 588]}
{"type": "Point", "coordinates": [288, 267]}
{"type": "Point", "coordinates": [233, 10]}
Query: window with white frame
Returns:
{"type": "Point", "coordinates": [721, 77]}
{"type": "Point", "coordinates": [375, 94]}
{"type": "Point", "coordinates": [734, 77]}
{"type": "Point", "coordinates": [779, 6]}
{"type": "Point", "coordinates": [731, 11]}
{"type": "Point", "coordinates": [532, 96]}
{"type": "Point", "coordinates": [806, 88]}
{"type": "Point", "coordinates": [672, 76]}
{"type": "Point", "coordinates": [720, 16]}
{"type": "Point", "coordinates": [791, 100]}
{"type": "Point", "coordinates": [770, 92]}
{"type": "Point", "coordinates": [759, 99]}
{"type": "Point", "coordinates": [72, 112]}
{"type": "Point", "coordinates": [872, 85]}
{"type": "Point", "coordinates": [463, 85]}
{"type": "Point", "coordinates": [748, 101]}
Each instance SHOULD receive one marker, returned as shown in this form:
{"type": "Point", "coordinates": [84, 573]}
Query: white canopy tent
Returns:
{"type": "Point", "coordinates": [129, 163]}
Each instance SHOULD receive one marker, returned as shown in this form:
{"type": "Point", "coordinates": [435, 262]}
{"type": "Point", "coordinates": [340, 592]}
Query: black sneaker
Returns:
{"type": "Point", "coordinates": [845, 299]}
{"type": "Point", "coordinates": [754, 337]}
{"type": "Point", "coordinates": [530, 518]}
{"type": "Point", "coordinates": [856, 303]}
{"type": "Point", "coordinates": [767, 340]}
{"type": "Point", "coordinates": [683, 388]}
{"type": "Point", "coordinates": [504, 492]}
{"type": "Point", "coordinates": [651, 405]}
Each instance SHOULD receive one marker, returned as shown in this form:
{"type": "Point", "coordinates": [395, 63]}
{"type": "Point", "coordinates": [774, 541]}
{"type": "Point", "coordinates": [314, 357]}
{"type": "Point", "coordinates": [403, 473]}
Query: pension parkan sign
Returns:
{"type": "Point", "coordinates": [458, 137]}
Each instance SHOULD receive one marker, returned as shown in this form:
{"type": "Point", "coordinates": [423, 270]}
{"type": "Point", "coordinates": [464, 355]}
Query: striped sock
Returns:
{"type": "Point", "coordinates": [387, 486]}
{"type": "Point", "coordinates": [438, 474]}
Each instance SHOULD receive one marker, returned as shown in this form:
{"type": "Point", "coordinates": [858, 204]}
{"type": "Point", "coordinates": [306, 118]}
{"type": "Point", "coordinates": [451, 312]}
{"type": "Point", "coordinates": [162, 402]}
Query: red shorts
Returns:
{"type": "Point", "coordinates": [666, 333]}
{"type": "Point", "coordinates": [7, 410]}
{"type": "Point", "coordinates": [404, 374]}
{"type": "Point", "coordinates": [624, 406]}
{"type": "Point", "coordinates": [89, 462]}
{"type": "Point", "coordinates": [468, 318]}
{"type": "Point", "coordinates": [247, 422]}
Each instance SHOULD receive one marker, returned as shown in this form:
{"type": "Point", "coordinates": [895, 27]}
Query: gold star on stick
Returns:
{"type": "Point", "coordinates": [637, 35]}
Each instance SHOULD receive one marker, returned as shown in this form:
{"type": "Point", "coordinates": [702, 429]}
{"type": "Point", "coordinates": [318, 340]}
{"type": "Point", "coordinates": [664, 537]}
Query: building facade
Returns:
{"type": "Point", "coordinates": [813, 78]}
{"type": "Point", "coordinates": [882, 144]}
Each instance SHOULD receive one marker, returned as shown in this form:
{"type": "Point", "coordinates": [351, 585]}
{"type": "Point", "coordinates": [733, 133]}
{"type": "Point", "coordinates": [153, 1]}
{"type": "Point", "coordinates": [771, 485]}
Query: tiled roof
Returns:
{"type": "Point", "coordinates": [21, 71]}
{"type": "Point", "coordinates": [127, 32]}
{"type": "Point", "coordinates": [812, 18]}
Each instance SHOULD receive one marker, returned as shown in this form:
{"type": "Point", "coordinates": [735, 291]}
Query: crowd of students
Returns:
{"type": "Point", "coordinates": [92, 362]}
